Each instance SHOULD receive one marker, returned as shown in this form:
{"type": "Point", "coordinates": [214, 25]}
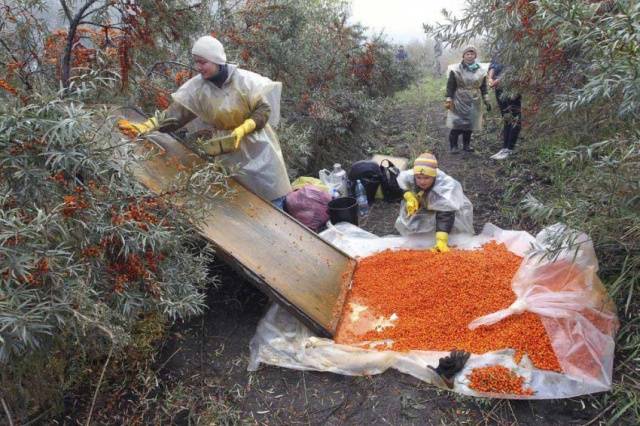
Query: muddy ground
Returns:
{"type": "Point", "coordinates": [209, 355]}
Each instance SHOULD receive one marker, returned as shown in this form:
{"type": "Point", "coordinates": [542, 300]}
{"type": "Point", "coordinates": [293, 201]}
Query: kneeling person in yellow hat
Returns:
{"type": "Point", "coordinates": [433, 201]}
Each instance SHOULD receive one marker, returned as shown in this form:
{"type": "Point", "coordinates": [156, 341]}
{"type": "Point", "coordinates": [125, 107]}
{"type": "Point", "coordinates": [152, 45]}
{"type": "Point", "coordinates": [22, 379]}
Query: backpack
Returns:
{"type": "Point", "coordinates": [389, 181]}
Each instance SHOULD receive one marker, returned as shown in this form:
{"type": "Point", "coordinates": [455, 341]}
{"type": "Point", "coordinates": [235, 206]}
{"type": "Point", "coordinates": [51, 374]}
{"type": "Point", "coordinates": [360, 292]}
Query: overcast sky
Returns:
{"type": "Point", "coordinates": [401, 19]}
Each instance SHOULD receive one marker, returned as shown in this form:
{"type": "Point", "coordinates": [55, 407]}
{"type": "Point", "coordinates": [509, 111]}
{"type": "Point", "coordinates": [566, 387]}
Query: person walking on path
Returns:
{"type": "Point", "coordinates": [226, 98]}
{"type": "Point", "coordinates": [510, 109]}
{"type": "Point", "coordinates": [466, 91]}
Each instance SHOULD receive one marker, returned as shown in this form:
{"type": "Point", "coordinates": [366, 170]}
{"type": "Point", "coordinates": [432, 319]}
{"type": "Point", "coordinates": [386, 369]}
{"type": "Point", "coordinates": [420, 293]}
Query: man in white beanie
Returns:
{"type": "Point", "coordinates": [226, 98]}
{"type": "Point", "coordinates": [211, 49]}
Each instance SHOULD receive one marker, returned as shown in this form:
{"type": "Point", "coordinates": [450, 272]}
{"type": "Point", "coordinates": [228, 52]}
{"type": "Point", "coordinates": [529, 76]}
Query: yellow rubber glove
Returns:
{"type": "Point", "coordinates": [134, 130]}
{"type": "Point", "coordinates": [442, 241]}
{"type": "Point", "coordinates": [411, 203]}
{"type": "Point", "coordinates": [242, 130]}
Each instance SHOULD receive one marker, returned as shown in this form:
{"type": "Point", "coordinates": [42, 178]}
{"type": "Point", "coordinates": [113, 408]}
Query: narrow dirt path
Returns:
{"type": "Point", "coordinates": [424, 130]}
{"type": "Point", "coordinates": [209, 355]}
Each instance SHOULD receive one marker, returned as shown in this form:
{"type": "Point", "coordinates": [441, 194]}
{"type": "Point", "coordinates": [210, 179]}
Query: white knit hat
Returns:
{"type": "Point", "coordinates": [211, 49]}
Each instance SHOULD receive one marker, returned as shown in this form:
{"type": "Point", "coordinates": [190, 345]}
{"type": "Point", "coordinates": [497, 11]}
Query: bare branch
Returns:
{"type": "Point", "coordinates": [95, 394]}
{"type": "Point", "coordinates": [97, 24]}
{"type": "Point", "coordinates": [65, 7]}
{"type": "Point", "coordinates": [91, 12]}
{"type": "Point", "coordinates": [73, 27]}
{"type": "Point", "coordinates": [21, 74]}
{"type": "Point", "coordinates": [82, 13]}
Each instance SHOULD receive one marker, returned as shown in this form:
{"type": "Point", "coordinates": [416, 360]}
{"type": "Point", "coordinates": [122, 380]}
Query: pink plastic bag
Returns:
{"type": "Point", "coordinates": [309, 206]}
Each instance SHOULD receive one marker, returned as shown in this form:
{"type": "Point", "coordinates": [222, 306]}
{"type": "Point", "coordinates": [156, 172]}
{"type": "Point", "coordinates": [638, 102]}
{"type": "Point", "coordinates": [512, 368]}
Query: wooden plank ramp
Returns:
{"type": "Point", "coordinates": [290, 263]}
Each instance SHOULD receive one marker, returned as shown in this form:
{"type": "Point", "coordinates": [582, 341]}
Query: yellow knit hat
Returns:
{"type": "Point", "coordinates": [425, 164]}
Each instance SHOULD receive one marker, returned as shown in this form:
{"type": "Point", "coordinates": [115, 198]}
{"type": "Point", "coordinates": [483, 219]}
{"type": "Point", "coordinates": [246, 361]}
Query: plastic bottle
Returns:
{"type": "Point", "coordinates": [361, 197]}
{"type": "Point", "coordinates": [334, 193]}
{"type": "Point", "coordinates": [339, 178]}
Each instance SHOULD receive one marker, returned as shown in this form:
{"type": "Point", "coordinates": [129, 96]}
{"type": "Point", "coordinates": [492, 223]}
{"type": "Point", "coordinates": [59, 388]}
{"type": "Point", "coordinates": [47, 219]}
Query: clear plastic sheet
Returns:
{"type": "Point", "coordinates": [583, 340]}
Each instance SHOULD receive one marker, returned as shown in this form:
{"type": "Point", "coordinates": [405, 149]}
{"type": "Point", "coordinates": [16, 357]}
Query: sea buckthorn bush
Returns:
{"type": "Point", "coordinates": [331, 73]}
{"type": "Point", "coordinates": [86, 252]}
{"type": "Point", "coordinates": [576, 65]}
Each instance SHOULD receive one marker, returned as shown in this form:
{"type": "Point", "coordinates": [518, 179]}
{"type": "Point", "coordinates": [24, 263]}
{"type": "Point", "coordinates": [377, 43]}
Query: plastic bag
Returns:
{"type": "Point", "coordinates": [368, 173]}
{"type": "Point", "coordinates": [566, 292]}
{"type": "Point", "coordinates": [309, 206]}
{"type": "Point", "coordinates": [303, 181]}
{"type": "Point", "coordinates": [336, 180]}
{"type": "Point", "coordinates": [584, 343]}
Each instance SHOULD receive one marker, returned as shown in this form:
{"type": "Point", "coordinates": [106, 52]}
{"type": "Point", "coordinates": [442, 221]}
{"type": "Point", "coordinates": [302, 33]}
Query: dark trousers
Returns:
{"type": "Point", "coordinates": [455, 134]}
{"type": "Point", "coordinates": [511, 111]}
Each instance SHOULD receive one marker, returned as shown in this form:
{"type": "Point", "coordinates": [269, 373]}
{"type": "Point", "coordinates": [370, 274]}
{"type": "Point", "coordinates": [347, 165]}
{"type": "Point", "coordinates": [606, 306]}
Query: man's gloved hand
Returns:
{"type": "Point", "coordinates": [487, 104]}
{"type": "Point", "coordinates": [411, 203]}
{"type": "Point", "coordinates": [448, 104]}
{"type": "Point", "coordinates": [442, 241]}
{"type": "Point", "coordinates": [244, 129]}
{"type": "Point", "coordinates": [133, 130]}
{"type": "Point", "coordinates": [451, 365]}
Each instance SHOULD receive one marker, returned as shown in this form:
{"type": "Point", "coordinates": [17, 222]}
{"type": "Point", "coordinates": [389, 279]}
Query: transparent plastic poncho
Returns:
{"type": "Point", "coordinates": [262, 167]}
{"type": "Point", "coordinates": [564, 289]}
{"type": "Point", "coordinates": [466, 113]}
{"type": "Point", "coordinates": [445, 195]}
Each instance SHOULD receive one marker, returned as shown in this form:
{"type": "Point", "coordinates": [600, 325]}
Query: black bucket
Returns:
{"type": "Point", "coordinates": [343, 209]}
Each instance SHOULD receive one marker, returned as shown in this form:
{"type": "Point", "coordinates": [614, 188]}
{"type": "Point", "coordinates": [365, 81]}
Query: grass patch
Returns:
{"type": "Point", "coordinates": [428, 89]}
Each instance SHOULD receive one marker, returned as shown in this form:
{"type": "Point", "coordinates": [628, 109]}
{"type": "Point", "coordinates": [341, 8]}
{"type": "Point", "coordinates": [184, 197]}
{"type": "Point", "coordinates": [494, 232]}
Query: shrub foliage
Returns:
{"type": "Point", "coordinates": [87, 256]}
{"type": "Point", "coordinates": [575, 62]}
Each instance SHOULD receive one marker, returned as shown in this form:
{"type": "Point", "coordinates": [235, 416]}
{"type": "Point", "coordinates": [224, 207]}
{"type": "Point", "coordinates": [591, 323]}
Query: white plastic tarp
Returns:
{"type": "Point", "coordinates": [581, 320]}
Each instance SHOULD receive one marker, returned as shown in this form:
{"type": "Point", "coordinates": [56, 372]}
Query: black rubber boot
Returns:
{"type": "Point", "coordinates": [466, 141]}
{"type": "Point", "coordinates": [453, 143]}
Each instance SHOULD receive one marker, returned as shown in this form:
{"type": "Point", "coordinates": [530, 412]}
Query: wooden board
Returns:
{"type": "Point", "coordinates": [285, 259]}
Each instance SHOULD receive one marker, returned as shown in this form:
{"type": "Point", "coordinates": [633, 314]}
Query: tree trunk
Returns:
{"type": "Point", "coordinates": [74, 22]}
{"type": "Point", "coordinates": [66, 58]}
